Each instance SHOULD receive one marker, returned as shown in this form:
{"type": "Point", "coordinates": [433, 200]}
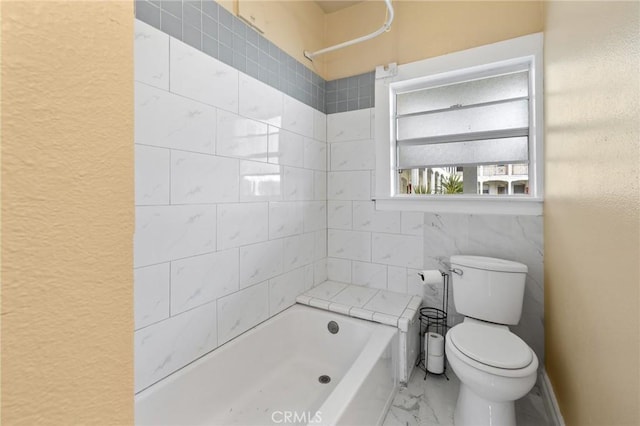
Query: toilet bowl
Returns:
{"type": "Point", "coordinates": [488, 389]}
{"type": "Point", "coordinates": [495, 367]}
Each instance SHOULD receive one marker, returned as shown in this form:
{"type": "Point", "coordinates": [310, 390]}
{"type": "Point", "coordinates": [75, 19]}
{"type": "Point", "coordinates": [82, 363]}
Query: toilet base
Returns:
{"type": "Point", "coordinates": [472, 409]}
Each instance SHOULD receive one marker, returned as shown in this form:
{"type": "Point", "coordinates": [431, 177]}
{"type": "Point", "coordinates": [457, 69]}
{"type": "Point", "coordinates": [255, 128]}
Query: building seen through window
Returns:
{"type": "Point", "coordinates": [502, 179]}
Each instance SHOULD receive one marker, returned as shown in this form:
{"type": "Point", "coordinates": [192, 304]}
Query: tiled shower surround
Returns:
{"type": "Point", "coordinates": [230, 203]}
{"type": "Point", "coordinates": [386, 249]}
{"type": "Point", "coordinates": [233, 195]}
{"type": "Point", "coordinates": [210, 28]}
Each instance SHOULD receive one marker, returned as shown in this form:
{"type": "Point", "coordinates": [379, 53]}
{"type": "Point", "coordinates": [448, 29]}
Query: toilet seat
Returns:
{"type": "Point", "coordinates": [491, 345]}
{"type": "Point", "coordinates": [453, 351]}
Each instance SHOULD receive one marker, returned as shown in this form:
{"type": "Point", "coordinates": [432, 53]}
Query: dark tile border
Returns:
{"type": "Point", "coordinates": [350, 93]}
{"type": "Point", "coordinates": [211, 29]}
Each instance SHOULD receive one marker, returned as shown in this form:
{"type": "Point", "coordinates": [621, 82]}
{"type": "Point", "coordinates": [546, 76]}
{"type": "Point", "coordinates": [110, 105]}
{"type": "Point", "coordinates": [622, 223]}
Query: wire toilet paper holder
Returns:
{"type": "Point", "coordinates": [434, 320]}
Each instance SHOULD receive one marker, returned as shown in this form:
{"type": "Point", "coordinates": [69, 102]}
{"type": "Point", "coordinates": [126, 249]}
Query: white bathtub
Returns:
{"type": "Point", "coordinates": [270, 375]}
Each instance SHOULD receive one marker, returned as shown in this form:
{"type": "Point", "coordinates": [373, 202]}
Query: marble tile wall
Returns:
{"type": "Point", "coordinates": [230, 186]}
{"type": "Point", "coordinates": [386, 249]}
{"type": "Point", "coordinates": [378, 249]}
{"type": "Point", "coordinates": [516, 238]}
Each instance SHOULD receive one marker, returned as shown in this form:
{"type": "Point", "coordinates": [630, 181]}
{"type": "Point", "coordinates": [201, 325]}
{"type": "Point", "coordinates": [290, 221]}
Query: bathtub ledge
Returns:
{"type": "Point", "coordinates": [385, 307]}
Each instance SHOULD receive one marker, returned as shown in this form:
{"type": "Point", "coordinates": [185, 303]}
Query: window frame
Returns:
{"type": "Point", "coordinates": [509, 54]}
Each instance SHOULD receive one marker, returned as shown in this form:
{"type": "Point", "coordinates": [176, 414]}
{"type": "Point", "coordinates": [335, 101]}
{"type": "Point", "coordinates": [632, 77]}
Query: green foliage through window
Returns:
{"type": "Point", "coordinates": [452, 185]}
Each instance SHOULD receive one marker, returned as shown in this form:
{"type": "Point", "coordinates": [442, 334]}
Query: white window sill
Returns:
{"type": "Point", "coordinates": [525, 206]}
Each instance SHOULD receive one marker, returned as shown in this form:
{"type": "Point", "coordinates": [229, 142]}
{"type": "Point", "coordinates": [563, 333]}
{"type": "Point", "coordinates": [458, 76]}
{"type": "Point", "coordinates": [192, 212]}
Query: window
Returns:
{"type": "Point", "coordinates": [465, 126]}
{"type": "Point", "coordinates": [470, 131]}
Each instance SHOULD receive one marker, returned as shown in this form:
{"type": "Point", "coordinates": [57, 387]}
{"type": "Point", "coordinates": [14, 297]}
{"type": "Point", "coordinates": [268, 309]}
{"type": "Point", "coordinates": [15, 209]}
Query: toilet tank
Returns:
{"type": "Point", "coordinates": [487, 288]}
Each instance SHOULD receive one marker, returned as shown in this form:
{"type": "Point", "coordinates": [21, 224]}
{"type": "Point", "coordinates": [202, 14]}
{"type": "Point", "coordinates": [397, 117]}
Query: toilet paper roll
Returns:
{"type": "Point", "coordinates": [434, 344]}
{"type": "Point", "coordinates": [431, 276]}
{"type": "Point", "coordinates": [435, 364]}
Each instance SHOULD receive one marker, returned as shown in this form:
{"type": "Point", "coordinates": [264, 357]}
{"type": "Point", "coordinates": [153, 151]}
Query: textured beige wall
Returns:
{"type": "Point", "coordinates": [422, 29]}
{"type": "Point", "coordinates": [592, 220]}
{"type": "Point", "coordinates": [67, 213]}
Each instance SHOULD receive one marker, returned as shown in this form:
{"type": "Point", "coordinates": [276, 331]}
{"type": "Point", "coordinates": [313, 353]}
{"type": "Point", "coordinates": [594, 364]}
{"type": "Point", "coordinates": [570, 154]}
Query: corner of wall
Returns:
{"type": "Point", "coordinates": [592, 57]}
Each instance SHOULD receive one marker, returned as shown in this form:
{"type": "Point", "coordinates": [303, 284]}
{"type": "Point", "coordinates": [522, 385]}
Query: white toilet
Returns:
{"type": "Point", "coordinates": [495, 367]}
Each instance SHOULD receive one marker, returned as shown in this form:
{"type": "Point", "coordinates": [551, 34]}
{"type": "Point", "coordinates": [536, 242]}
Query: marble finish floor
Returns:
{"type": "Point", "coordinates": [432, 401]}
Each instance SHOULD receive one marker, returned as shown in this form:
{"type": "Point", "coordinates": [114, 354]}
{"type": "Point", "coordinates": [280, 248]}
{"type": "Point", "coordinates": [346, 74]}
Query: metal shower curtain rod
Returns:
{"type": "Point", "coordinates": [385, 27]}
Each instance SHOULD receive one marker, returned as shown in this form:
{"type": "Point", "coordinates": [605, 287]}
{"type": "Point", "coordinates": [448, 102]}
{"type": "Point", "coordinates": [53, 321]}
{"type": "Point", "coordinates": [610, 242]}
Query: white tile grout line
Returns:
{"type": "Point", "coordinates": [372, 296]}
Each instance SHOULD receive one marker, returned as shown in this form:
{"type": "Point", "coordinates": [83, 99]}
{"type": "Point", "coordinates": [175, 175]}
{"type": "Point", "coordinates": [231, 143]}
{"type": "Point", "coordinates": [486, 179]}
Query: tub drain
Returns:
{"type": "Point", "coordinates": [324, 379]}
{"type": "Point", "coordinates": [333, 327]}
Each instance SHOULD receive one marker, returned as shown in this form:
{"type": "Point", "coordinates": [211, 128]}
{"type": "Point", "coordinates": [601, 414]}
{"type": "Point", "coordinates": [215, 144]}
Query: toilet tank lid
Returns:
{"type": "Point", "coordinates": [490, 345]}
{"type": "Point", "coordinates": [488, 263]}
